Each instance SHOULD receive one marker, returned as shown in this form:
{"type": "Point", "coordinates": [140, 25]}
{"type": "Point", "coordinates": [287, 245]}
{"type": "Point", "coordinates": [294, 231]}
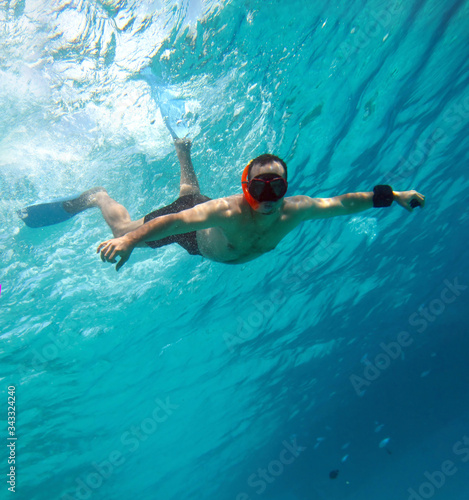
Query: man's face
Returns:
{"type": "Point", "coordinates": [268, 207]}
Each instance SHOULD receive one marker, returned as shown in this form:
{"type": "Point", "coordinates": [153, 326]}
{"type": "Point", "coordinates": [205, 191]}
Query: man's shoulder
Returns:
{"type": "Point", "coordinates": [230, 202]}
{"type": "Point", "coordinates": [227, 206]}
{"type": "Point", "coordinates": [226, 201]}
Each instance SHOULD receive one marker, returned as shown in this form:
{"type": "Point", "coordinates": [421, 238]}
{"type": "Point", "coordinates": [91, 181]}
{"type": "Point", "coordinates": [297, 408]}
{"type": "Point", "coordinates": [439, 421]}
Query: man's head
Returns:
{"type": "Point", "coordinates": [267, 164]}
{"type": "Point", "coordinates": [265, 183]}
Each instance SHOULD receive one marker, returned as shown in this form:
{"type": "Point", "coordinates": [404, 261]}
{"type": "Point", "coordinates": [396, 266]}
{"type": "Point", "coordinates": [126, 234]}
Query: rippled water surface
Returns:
{"type": "Point", "coordinates": [344, 349]}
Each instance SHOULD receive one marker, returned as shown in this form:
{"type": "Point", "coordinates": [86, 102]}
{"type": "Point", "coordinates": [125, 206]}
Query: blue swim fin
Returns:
{"type": "Point", "coordinates": [55, 211]}
{"type": "Point", "coordinates": [47, 213]}
{"type": "Point", "coordinates": [173, 109]}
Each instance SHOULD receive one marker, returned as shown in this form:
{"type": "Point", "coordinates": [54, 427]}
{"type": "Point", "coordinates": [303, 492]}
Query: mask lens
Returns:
{"type": "Point", "coordinates": [278, 186]}
{"type": "Point", "coordinates": [256, 188]}
{"type": "Point", "coordinates": [267, 187]}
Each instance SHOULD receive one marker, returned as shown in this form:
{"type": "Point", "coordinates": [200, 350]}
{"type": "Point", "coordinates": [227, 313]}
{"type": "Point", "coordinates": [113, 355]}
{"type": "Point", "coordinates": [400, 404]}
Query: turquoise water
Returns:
{"type": "Point", "coordinates": [179, 378]}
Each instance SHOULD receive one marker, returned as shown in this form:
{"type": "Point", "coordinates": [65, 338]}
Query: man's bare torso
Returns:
{"type": "Point", "coordinates": [244, 235]}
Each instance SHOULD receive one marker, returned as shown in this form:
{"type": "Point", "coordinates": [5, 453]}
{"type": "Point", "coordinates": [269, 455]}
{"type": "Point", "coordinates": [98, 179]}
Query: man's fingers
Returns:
{"type": "Point", "coordinates": [417, 201]}
{"type": "Point", "coordinates": [121, 263]}
{"type": "Point", "coordinates": [101, 246]}
{"type": "Point", "coordinates": [106, 249]}
{"type": "Point", "coordinates": [103, 255]}
{"type": "Point", "coordinates": [110, 251]}
{"type": "Point", "coordinates": [103, 252]}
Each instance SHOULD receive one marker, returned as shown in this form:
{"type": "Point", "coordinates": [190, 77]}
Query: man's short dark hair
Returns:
{"type": "Point", "coordinates": [265, 159]}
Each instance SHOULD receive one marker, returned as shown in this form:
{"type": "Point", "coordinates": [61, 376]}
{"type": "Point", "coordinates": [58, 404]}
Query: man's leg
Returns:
{"type": "Point", "coordinates": [114, 214]}
{"type": "Point", "coordinates": [117, 216]}
{"type": "Point", "coordinates": [188, 183]}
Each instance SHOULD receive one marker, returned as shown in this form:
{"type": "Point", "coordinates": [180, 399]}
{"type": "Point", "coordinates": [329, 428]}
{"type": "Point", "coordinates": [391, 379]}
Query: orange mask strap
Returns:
{"type": "Point", "coordinates": [244, 183]}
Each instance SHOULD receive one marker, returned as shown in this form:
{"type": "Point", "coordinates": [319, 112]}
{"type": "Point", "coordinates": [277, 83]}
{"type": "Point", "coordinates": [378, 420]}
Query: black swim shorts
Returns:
{"type": "Point", "coordinates": [188, 241]}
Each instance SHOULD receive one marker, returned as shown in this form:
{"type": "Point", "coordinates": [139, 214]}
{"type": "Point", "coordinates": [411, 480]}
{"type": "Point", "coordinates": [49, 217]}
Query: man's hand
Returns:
{"type": "Point", "coordinates": [116, 247]}
{"type": "Point", "coordinates": [409, 199]}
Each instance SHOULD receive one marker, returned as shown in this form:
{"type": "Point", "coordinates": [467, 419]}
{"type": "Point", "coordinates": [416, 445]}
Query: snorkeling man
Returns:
{"type": "Point", "coordinates": [234, 229]}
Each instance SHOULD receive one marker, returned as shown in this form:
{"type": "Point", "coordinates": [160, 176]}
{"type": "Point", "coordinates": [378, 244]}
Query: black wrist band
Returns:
{"type": "Point", "coordinates": [383, 196]}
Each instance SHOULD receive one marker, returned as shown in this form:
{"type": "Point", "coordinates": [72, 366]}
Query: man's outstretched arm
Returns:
{"type": "Point", "coordinates": [351, 203]}
{"type": "Point", "coordinates": [209, 214]}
